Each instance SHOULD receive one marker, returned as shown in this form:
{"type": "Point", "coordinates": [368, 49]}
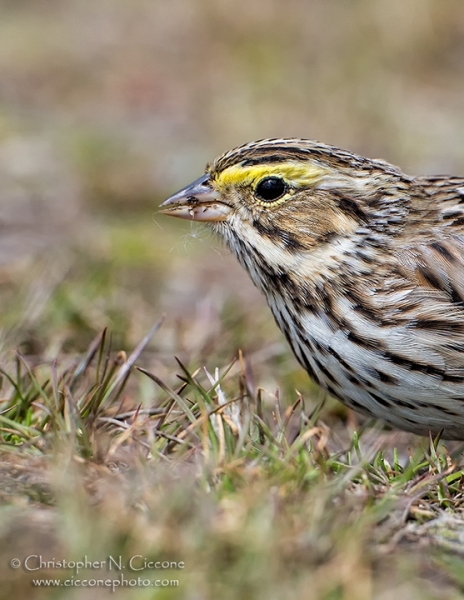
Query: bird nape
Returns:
{"type": "Point", "coordinates": [361, 265]}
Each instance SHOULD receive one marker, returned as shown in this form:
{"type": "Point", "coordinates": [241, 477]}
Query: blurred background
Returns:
{"type": "Point", "coordinates": [108, 106]}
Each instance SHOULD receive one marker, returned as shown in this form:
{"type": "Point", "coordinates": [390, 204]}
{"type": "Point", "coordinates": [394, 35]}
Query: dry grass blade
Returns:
{"type": "Point", "coordinates": [124, 370]}
{"type": "Point", "coordinates": [174, 395]}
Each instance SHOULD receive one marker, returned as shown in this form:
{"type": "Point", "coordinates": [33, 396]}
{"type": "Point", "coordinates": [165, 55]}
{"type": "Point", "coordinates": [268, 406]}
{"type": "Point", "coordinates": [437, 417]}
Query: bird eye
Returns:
{"type": "Point", "coordinates": [271, 188]}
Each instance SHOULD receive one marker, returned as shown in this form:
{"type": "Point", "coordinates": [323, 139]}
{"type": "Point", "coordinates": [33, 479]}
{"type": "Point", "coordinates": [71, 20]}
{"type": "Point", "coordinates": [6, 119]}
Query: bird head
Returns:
{"type": "Point", "coordinates": [283, 196]}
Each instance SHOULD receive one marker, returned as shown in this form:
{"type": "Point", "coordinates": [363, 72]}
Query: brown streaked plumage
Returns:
{"type": "Point", "coordinates": [362, 267]}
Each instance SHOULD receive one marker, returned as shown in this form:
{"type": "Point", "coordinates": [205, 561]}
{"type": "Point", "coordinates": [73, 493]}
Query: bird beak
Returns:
{"type": "Point", "coordinates": [196, 202]}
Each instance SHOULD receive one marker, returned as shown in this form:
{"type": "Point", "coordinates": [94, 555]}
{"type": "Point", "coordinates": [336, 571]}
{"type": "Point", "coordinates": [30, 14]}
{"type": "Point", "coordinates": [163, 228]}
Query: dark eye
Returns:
{"type": "Point", "coordinates": [271, 188]}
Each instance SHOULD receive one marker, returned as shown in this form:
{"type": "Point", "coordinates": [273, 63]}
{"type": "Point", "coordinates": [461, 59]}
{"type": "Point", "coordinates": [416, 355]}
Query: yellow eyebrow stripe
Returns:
{"type": "Point", "coordinates": [296, 174]}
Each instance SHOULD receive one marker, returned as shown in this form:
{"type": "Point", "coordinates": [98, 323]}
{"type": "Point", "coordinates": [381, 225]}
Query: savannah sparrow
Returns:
{"type": "Point", "coordinates": [361, 265]}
